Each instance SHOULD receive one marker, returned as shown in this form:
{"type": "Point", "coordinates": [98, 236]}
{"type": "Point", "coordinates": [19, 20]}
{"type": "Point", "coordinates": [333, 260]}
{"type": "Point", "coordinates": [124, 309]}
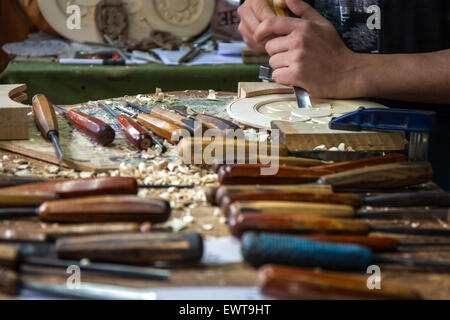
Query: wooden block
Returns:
{"type": "Point", "coordinates": [255, 89]}
{"type": "Point", "coordinates": [298, 136]}
{"type": "Point", "coordinates": [13, 115]}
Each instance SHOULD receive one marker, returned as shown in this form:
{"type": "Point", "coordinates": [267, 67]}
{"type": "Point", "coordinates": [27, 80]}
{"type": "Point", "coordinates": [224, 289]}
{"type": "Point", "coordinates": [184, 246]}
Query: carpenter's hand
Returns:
{"type": "Point", "coordinates": [252, 13]}
{"type": "Point", "coordinates": [308, 52]}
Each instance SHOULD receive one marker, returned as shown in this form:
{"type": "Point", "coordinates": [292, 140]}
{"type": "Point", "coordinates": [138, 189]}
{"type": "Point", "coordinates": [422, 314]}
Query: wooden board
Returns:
{"type": "Point", "coordinates": [82, 154]}
{"type": "Point", "coordinates": [13, 115]}
{"type": "Point", "coordinates": [298, 137]}
{"type": "Point", "coordinates": [255, 89]}
{"type": "Point", "coordinates": [309, 134]}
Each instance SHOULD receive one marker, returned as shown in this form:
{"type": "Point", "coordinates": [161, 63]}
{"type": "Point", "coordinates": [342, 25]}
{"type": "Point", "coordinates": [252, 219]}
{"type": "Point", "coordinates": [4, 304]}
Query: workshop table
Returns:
{"type": "Point", "coordinates": [70, 84]}
{"type": "Point", "coordinates": [431, 285]}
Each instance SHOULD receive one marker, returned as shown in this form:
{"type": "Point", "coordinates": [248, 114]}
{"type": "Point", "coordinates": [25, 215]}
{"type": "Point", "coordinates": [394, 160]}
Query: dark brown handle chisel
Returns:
{"type": "Point", "coordinates": [136, 248]}
{"type": "Point", "coordinates": [12, 258]}
{"type": "Point", "coordinates": [94, 128]}
{"type": "Point", "coordinates": [301, 224]}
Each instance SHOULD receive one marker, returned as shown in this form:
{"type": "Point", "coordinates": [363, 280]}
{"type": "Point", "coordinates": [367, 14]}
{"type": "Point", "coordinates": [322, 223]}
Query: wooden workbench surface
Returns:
{"type": "Point", "coordinates": [429, 285]}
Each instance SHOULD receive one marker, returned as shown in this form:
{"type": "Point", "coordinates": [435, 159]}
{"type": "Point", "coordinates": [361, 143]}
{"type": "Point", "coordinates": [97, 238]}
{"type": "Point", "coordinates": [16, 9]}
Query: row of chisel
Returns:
{"type": "Point", "coordinates": [312, 216]}
{"type": "Point", "coordinates": [142, 133]}
{"type": "Point", "coordinates": [104, 222]}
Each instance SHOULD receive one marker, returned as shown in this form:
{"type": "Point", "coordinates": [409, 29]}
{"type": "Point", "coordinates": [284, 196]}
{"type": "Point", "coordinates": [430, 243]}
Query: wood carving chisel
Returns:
{"type": "Point", "coordinates": [386, 176]}
{"type": "Point", "coordinates": [216, 194]}
{"type": "Point", "coordinates": [419, 125]}
{"type": "Point", "coordinates": [261, 249]}
{"type": "Point", "coordinates": [155, 140]}
{"type": "Point", "coordinates": [85, 187]}
{"type": "Point", "coordinates": [10, 283]}
{"type": "Point", "coordinates": [12, 258]}
{"type": "Point", "coordinates": [288, 283]}
{"type": "Point", "coordinates": [47, 123]}
{"type": "Point", "coordinates": [412, 199]}
{"type": "Point", "coordinates": [133, 248]}
{"type": "Point", "coordinates": [209, 121]}
{"type": "Point", "coordinates": [17, 234]}
{"type": "Point", "coordinates": [160, 127]}
{"type": "Point", "coordinates": [333, 210]}
{"type": "Point", "coordinates": [301, 224]}
{"type": "Point", "coordinates": [377, 243]}
{"type": "Point", "coordinates": [100, 132]}
{"type": "Point", "coordinates": [293, 162]}
{"type": "Point", "coordinates": [282, 161]}
{"type": "Point", "coordinates": [97, 209]}
{"type": "Point", "coordinates": [191, 150]}
{"type": "Point", "coordinates": [134, 133]}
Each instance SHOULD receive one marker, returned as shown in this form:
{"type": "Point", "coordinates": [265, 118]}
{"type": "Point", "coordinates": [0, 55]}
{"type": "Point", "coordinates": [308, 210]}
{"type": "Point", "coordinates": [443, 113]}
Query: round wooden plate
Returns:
{"type": "Point", "coordinates": [247, 111]}
{"type": "Point", "coordinates": [184, 18]}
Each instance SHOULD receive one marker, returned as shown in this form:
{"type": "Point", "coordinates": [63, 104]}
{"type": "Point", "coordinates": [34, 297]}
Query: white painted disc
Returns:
{"type": "Point", "coordinates": [312, 112]}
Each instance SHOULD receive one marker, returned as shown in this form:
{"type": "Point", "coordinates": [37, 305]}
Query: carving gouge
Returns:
{"type": "Point", "coordinates": [301, 224]}
{"type": "Point", "coordinates": [191, 149]}
{"type": "Point", "coordinates": [155, 140]}
{"type": "Point", "coordinates": [209, 121]}
{"type": "Point", "coordinates": [47, 123]}
{"type": "Point", "coordinates": [10, 283]}
{"type": "Point", "coordinates": [385, 176]}
{"type": "Point", "coordinates": [85, 187]}
{"type": "Point", "coordinates": [16, 234]}
{"type": "Point", "coordinates": [159, 126]}
{"type": "Point", "coordinates": [282, 161]}
{"type": "Point", "coordinates": [176, 119]}
{"type": "Point", "coordinates": [97, 209]}
{"type": "Point", "coordinates": [289, 283]}
{"type": "Point", "coordinates": [410, 199]}
{"type": "Point", "coordinates": [333, 210]}
{"type": "Point", "coordinates": [376, 243]}
{"type": "Point", "coordinates": [12, 258]}
{"type": "Point", "coordinates": [223, 191]}
{"type": "Point", "coordinates": [261, 249]}
{"type": "Point", "coordinates": [292, 163]}
{"type": "Point", "coordinates": [134, 133]}
{"type": "Point", "coordinates": [94, 128]}
{"type": "Point", "coordinates": [133, 248]}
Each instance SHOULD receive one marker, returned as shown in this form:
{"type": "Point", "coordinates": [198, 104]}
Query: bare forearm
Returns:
{"type": "Point", "coordinates": [408, 77]}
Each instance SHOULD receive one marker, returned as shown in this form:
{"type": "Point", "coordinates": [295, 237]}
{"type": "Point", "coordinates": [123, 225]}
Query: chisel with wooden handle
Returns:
{"type": "Point", "coordinates": [288, 283]}
{"type": "Point", "coordinates": [133, 248]}
{"type": "Point", "coordinates": [13, 258]}
{"type": "Point", "coordinates": [409, 199]}
{"type": "Point", "coordinates": [47, 232]}
{"type": "Point", "coordinates": [190, 149]}
{"type": "Point", "coordinates": [385, 176]}
{"type": "Point", "coordinates": [47, 123]}
{"type": "Point", "coordinates": [252, 174]}
{"type": "Point", "coordinates": [265, 248]}
{"type": "Point", "coordinates": [222, 191]}
{"type": "Point", "coordinates": [160, 127]}
{"type": "Point", "coordinates": [134, 133]}
{"type": "Point", "coordinates": [262, 161]}
{"type": "Point", "coordinates": [100, 132]}
{"type": "Point", "coordinates": [376, 243]}
{"type": "Point", "coordinates": [319, 165]}
{"type": "Point", "coordinates": [25, 199]}
{"type": "Point", "coordinates": [333, 210]}
{"type": "Point", "coordinates": [97, 209]}
{"type": "Point", "coordinates": [87, 187]}
{"type": "Point", "coordinates": [12, 284]}
{"type": "Point", "coordinates": [300, 224]}
{"type": "Point", "coordinates": [176, 119]}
